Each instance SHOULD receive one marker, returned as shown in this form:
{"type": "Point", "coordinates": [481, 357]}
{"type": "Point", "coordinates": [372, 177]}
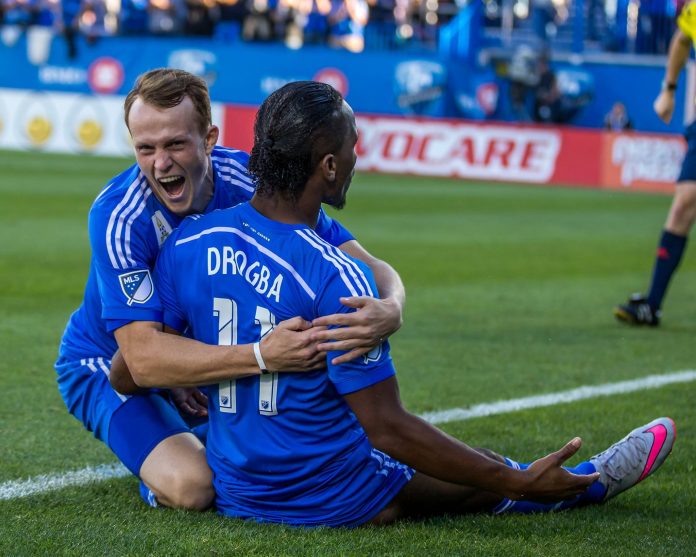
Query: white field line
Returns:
{"type": "Point", "coordinates": [16, 489]}
{"type": "Point", "coordinates": [562, 397]}
{"type": "Point", "coordinates": [50, 482]}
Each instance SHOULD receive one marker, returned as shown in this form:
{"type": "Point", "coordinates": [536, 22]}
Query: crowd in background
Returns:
{"type": "Point", "coordinates": [640, 26]}
{"type": "Point", "coordinates": [339, 23]}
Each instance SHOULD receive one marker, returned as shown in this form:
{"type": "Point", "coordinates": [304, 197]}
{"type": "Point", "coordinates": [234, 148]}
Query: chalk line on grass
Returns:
{"type": "Point", "coordinates": [16, 489]}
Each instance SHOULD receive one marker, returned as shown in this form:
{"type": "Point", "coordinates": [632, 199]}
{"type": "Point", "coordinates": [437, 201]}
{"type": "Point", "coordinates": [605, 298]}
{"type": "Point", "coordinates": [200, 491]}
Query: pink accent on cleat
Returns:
{"type": "Point", "coordinates": [659, 432]}
{"type": "Point", "coordinates": [635, 457]}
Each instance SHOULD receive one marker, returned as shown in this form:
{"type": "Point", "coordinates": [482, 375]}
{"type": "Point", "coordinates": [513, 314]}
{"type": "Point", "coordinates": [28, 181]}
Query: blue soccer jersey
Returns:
{"type": "Point", "coordinates": [283, 447]}
{"type": "Point", "coordinates": [127, 227]}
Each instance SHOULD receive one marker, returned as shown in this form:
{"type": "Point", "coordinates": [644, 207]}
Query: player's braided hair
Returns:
{"type": "Point", "coordinates": [166, 88]}
{"type": "Point", "coordinates": [295, 127]}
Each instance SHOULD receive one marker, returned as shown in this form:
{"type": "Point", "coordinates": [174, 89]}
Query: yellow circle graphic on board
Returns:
{"type": "Point", "coordinates": [89, 133]}
{"type": "Point", "coordinates": [39, 130]}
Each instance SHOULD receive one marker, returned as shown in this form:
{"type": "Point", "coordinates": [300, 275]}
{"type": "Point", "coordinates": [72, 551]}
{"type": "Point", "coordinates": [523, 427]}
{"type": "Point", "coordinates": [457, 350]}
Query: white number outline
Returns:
{"type": "Point", "coordinates": [225, 310]}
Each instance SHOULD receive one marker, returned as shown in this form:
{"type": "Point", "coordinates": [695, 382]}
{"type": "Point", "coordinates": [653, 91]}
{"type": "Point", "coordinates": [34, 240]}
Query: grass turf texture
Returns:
{"type": "Point", "coordinates": [510, 290]}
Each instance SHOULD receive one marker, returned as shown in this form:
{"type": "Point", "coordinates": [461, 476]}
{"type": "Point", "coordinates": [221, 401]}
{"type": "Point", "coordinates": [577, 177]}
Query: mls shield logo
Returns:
{"type": "Point", "coordinates": [373, 355]}
{"type": "Point", "coordinates": [137, 286]}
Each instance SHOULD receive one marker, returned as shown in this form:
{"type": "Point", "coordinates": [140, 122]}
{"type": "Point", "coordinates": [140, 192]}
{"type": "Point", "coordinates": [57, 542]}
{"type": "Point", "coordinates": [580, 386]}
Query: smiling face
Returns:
{"type": "Point", "coordinates": [174, 154]}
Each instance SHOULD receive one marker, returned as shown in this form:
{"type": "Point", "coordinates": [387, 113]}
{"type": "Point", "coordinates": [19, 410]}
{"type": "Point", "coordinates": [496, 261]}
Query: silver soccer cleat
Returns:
{"type": "Point", "coordinates": [635, 457]}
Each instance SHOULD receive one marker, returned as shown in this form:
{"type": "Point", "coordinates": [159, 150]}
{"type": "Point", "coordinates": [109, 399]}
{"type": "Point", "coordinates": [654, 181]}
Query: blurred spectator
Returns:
{"type": "Point", "coordinates": [543, 16]}
{"type": "Point", "coordinates": [69, 22]}
{"type": "Point", "coordinates": [316, 24]}
{"type": "Point", "coordinates": [548, 105]}
{"type": "Point", "coordinates": [523, 77]}
{"type": "Point", "coordinates": [347, 22]}
{"type": "Point", "coordinates": [655, 26]}
{"type": "Point", "coordinates": [617, 119]}
{"type": "Point", "coordinates": [43, 27]}
{"type": "Point", "coordinates": [134, 17]}
{"type": "Point", "coordinates": [166, 17]}
{"type": "Point", "coordinates": [258, 24]}
{"type": "Point", "coordinates": [17, 12]}
{"type": "Point", "coordinates": [201, 17]}
{"type": "Point", "coordinates": [91, 20]}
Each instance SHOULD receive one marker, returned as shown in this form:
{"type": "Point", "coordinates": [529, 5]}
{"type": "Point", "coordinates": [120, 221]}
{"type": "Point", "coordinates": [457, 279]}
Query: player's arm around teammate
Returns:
{"type": "Point", "coordinates": [375, 320]}
{"type": "Point", "coordinates": [179, 172]}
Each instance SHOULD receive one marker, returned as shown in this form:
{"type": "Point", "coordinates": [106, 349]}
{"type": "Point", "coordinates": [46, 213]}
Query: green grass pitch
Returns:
{"type": "Point", "coordinates": [510, 290]}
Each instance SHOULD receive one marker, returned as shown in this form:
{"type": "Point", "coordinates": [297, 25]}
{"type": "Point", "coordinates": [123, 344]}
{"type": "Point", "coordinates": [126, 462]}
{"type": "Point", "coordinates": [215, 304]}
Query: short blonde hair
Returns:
{"type": "Point", "coordinates": [166, 88]}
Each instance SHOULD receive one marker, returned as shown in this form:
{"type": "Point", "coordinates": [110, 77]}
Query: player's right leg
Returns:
{"type": "Point", "coordinates": [145, 432]}
{"type": "Point", "coordinates": [645, 309]}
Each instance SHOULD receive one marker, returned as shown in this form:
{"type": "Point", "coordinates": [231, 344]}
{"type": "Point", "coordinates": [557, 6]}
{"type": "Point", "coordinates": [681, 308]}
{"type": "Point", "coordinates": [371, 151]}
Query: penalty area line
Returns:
{"type": "Point", "coordinates": [16, 489]}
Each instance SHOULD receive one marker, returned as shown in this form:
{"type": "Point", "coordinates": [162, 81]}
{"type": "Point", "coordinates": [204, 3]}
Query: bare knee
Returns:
{"type": "Point", "coordinates": [178, 474]}
{"type": "Point", "coordinates": [185, 490]}
{"type": "Point", "coordinates": [682, 213]}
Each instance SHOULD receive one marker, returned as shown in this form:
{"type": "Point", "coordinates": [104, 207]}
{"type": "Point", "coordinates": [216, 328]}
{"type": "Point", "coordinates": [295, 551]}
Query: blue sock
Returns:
{"type": "Point", "coordinates": [669, 254]}
{"type": "Point", "coordinates": [594, 494]}
{"type": "Point", "coordinates": [147, 495]}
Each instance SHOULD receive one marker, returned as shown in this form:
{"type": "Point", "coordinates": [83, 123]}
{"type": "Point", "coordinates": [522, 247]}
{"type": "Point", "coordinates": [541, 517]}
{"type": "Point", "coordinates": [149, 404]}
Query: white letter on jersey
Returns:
{"type": "Point", "coordinates": [213, 256]}
{"type": "Point", "coordinates": [275, 288]}
{"type": "Point", "coordinates": [228, 260]}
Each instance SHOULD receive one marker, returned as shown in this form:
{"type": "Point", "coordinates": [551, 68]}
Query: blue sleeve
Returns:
{"type": "Point", "coordinates": [331, 230]}
{"type": "Point", "coordinates": [123, 257]}
{"type": "Point", "coordinates": [173, 316]}
{"type": "Point", "coordinates": [375, 366]}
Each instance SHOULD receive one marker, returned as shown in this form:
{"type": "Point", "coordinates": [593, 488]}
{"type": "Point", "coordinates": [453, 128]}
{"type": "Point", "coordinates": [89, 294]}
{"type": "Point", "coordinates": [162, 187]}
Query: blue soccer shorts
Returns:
{"type": "Point", "coordinates": [131, 426]}
{"type": "Point", "coordinates": [350, 492]}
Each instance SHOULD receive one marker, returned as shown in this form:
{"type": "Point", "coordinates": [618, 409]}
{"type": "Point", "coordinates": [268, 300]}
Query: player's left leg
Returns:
{"type": "Point", "coordinates": [621, 466]}
{"type": "Point", "coordinates": [425, 496]}
{"type": "Point", "coordinates": [149, 436]}
{"type": "Point", "coordinates": [177, 473]}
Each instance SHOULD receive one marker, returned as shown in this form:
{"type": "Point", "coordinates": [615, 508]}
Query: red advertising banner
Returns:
{"type": "Point", "coordinates": [464, 150]}
{"type": "Point", "coordinates": [642, 162]}
{"type": "Point", "coordinates": [502, 152]}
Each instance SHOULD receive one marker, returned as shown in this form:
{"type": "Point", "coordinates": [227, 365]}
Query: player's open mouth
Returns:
{"type": "Point", "coordinates": [172, 185]}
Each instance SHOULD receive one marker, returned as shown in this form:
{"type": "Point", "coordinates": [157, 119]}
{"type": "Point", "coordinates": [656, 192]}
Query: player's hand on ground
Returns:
{"type": "Point", "coordinates": [190, 400]}
{"type": "Point", "coordinates": [290, 347]}
{"type": "Point", "coordinates": [360, 331]}
{"type": "Point", "coordinates": [547, 481]}
{"type": "Point", "coordinates": [664, 106]}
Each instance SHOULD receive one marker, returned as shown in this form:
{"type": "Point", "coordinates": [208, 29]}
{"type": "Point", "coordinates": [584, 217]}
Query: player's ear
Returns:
{"type": "Point", "coordinates": [328, 167]}
{"type": "Point", "coordinates": [211, 139]}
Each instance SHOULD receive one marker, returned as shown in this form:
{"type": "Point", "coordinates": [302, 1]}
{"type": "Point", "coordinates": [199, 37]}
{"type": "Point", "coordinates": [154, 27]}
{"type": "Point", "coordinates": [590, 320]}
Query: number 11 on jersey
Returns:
{"type": "Point", "coordinates": [225, 310]}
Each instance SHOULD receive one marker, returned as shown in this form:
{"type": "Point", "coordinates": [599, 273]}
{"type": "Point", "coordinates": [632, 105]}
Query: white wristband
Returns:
{"type": "Point", "coordinates": [259, 358]}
